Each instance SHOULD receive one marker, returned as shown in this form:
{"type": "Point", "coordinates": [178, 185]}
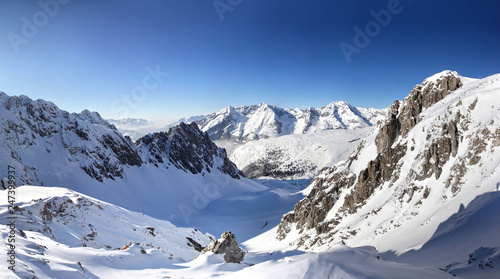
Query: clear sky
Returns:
{"type": "Point", "coordinates": [102, 55]}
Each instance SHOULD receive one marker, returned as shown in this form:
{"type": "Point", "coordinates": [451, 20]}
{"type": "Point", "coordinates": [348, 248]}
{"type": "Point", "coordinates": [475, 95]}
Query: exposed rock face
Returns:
{"type": "Point", "coordinates": [380, 170]}
{"type": "Point", "coordinates": [352, 189]}
{"type": "Point", "coordinates": [403, 117]}
{"type": "Point", "coordinates": [227, 245]}
{"type": "Point", "coordinates": [187, 148]}
{"type": "Point", "coordinates": [67, 142]}
{"type": "Point", "coordinates": [88, 141]}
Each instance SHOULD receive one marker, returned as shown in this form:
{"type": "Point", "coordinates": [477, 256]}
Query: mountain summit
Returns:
{"type": "Point", "coordinates": [437, 153]}
{"type": "Point", "coordinates": [247, 123]}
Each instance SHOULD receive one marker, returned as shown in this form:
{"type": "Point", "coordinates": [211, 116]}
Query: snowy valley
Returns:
{"type": "Point", "coordinates": [268, 141]}
{"type": "Point", "coordinates": [411, 191]}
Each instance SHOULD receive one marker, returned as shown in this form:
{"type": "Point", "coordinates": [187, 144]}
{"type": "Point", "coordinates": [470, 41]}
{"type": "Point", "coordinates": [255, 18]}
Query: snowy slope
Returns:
{"type": "Point", "coordinates": [437, 154]}
{"type": "Point", "coordinates": [64, 234]}
{"type": "Point", "coordinates": [296, 156]}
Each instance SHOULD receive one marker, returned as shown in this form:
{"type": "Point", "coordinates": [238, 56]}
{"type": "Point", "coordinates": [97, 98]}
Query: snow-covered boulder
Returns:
{"type": "Point", "coordinates": [227, 245]}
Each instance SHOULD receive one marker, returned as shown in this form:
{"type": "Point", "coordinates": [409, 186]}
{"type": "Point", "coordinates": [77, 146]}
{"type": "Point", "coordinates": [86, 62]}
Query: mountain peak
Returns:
{"type": "Point", "coordinates": [259, 121]}
{"type": "Point", "coordinates": [435, 152]}
{"type": "Point", "coordinates": [441, 75]}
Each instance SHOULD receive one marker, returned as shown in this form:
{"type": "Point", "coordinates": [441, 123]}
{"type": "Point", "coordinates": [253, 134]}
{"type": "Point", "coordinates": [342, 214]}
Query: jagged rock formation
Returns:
{"type": "Point", "coordinates": [85, 139]}
{"type": "Point", "coordinates": [402, 118]}
{"type": "Point", "coordinates": [66, 142]}
{"type": "Point", "coordinates": [187, 148]}
{"type": "Point", "coordinates": [423, 151]}
{"type": "Point", "coordinates": [227, 245]}
{"type": "Point", "coordinates": [269, 141]}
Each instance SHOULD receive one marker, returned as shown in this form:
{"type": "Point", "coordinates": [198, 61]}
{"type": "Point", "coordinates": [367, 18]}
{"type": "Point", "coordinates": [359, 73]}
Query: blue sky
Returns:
{"type": "Point", "coordinates": [99, 55]}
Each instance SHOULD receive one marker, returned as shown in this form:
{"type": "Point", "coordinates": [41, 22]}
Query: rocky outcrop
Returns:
{"type": "Point", "coordinates": [382, 169]}
{"type": "Point", "coordinates": [358, 187]}
{"type": "Point", "coordinates": [227, 245]}
{"type": "Point", "coordinates": [84, 139]}
{"type": "Point", "coordinates": [403, 117]}
{"type": "Point", "coordinates": [186, 147]}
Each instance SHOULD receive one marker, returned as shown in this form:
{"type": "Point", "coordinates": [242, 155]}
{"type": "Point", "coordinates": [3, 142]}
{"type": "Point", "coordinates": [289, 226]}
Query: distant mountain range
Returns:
{"type": "Point", "coordinates": [262, 121]}
{"type": "Point", "coordinates": [268, 141]}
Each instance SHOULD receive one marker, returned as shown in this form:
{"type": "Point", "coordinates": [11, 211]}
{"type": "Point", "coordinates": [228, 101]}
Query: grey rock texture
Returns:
{"type": "Point", "coordinates": [310, 213]}
{"type": "Point", "coordinates": [88, 141]}
{"type": "Point", "coordinates": [227, 245]}
{"type": "Point", "coordinates": [188, 148]}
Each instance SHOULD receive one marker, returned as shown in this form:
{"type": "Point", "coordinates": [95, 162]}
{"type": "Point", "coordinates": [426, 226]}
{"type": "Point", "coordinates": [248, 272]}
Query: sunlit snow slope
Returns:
{"type": "Point", "coordinates": [423, 186]}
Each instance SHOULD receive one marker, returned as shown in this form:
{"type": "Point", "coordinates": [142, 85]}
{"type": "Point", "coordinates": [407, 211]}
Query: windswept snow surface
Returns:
{"type": "Point", "coordinates": [63, 234]}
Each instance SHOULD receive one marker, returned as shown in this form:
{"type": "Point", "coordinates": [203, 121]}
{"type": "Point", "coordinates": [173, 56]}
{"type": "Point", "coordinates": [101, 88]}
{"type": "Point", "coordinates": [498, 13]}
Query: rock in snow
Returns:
{"type": "Point", "coordinates": [227, 245]}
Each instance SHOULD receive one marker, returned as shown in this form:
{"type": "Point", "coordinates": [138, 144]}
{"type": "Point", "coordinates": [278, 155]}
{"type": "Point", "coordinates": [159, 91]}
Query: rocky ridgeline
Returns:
{"type": "Point", "coordinates": [442, 142]}
{"type": "Point", "coordinates": [68, 141]}
{"type": "Point", "coordinates": [187, 148]}
{"type": "Point", "coordinates": [40, 127]}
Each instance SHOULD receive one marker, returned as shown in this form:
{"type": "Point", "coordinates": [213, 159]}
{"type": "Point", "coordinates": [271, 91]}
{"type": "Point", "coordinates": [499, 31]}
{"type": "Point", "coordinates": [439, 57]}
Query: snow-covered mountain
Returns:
{"type": "Point", "coordinates": [296, 156]}
{"type": "Point", "coordinates": [423, 187]}
{"type": "Point", "coordinates": [247, 123]}
{"type": "Point", "coordinates": [268, 141]}
{"type": "Point", "coordinates": [169, 175]}
{"type": "Point", "coordinates": [39, 138]}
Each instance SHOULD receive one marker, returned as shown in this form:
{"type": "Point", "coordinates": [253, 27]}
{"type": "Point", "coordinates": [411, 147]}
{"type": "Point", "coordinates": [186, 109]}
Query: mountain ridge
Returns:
{"type": "Point", "coordinates": [438, 149]}
{"type": "Point", "coordinates": [246, 123]}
